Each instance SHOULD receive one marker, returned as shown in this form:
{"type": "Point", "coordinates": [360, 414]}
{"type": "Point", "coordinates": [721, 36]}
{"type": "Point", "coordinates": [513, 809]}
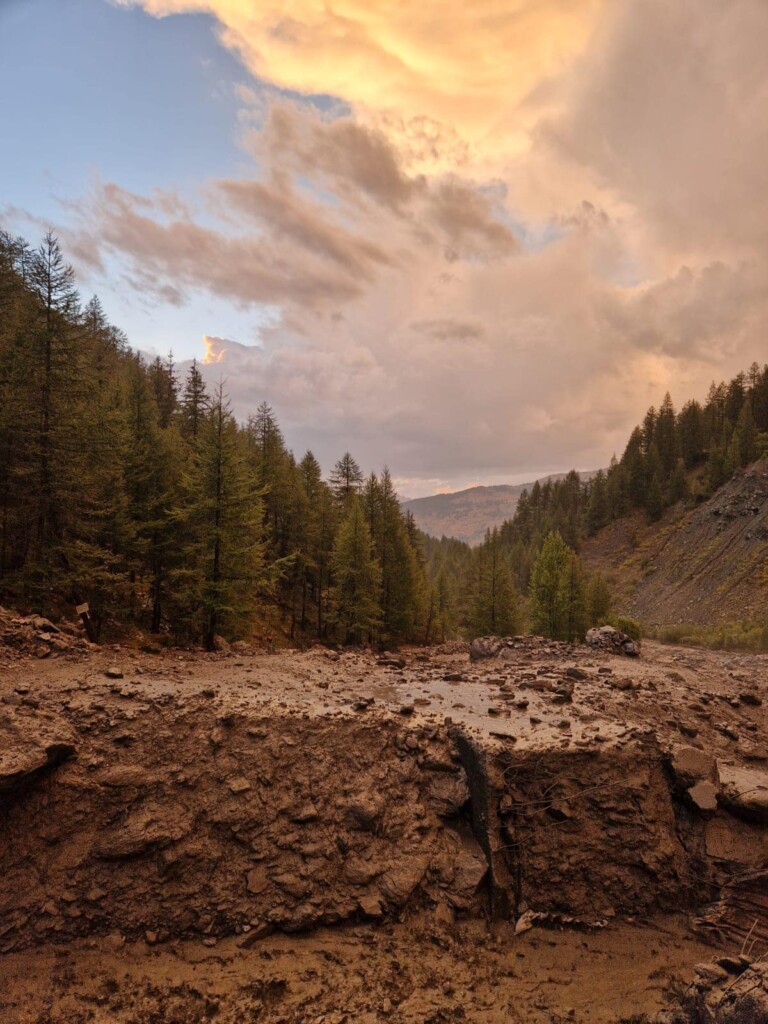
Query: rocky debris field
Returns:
{"type": "Point", "coordinates": [541, 833]}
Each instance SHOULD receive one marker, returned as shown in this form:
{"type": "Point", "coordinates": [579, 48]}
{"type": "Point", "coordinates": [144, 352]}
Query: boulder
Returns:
{"type": "Point", "coordinates": [31, 743]}
{"type": "Point", "coordinates": [402, 878]}
{"type": "Point", "coordinates": [744, 792]}
{"type": "Point", "coordinates": [448, 794]}
{"type": "Point", "coordinates": [691, 765]}
{"type": "Point", "coordinates": [608, 638]}
{"type": "Point", "coordinates": [484, 647]}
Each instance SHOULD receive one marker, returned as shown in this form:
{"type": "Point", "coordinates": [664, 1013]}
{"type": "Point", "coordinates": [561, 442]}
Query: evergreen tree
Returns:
{"type": "Point", "coordinates": [597, 509]}
{"type": "Point", "coordinates": [548, 597]}
{"type": "Point", "coordinates": [574, 600]}
{"type": "Point", "coordinates": [222, 515]}
{"type": "Point", "coordinates": [598, 600]}
{"type": "Point", "coordinates": [745, 436]}
{"type": "Point", "coordinates": [495, 607]}
{"type": "Point", "coordinates": [356, 578]}
{"type": "Point", "coordinates": [194, 403]}
{"type": "Point", "coordinates": [654, 499]}
{"type": "Point", "coordinates": [346, 479]}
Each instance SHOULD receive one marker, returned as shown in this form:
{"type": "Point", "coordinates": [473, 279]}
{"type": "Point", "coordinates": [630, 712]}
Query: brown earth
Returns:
{"type": "Point", "coordinates": [699, 566]}
{"type": "Point", "coordinates": [551, 834]}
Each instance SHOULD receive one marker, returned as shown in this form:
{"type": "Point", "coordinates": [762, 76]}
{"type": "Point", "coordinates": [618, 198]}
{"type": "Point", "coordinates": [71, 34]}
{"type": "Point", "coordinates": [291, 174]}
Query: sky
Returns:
{"type": "Point", "coordinates": [471, 241]}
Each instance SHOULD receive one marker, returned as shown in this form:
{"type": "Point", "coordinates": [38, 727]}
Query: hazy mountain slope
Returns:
{"type": "Point", "coordinates": [703, 566]}
{"type": "Point", "coordinates": [467, 514]}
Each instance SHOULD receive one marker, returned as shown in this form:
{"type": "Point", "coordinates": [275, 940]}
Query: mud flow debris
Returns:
{"type": "Point", "coordinates": [537, 833]}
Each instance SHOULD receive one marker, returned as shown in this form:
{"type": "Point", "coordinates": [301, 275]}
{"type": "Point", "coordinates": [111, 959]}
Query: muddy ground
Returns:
{"type": "Point", "coordinates": [550, 834]}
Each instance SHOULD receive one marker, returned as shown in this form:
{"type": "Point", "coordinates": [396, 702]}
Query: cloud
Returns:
{"type": "Point", "coordinates": [516, 224]}
{"type": "Point", "coordinates": [476, 69]}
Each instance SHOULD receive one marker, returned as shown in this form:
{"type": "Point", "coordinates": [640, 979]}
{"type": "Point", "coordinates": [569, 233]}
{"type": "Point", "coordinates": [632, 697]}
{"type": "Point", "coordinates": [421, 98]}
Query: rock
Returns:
{"type": "Point", "coordinates": [31, 744]}
{"type": "Point", "coordinates": [753, 699]}
{"type": "Point", "coordinates": [448, 794]}
{"type": "Point", "coordinates": [113, 672]}
{"type": "Point", "coordinates": [399, 881]}
{"type": "Point", "coordinates": [391, 661]}
{"type": "Point", "coordinates": [304, 814]}
{"type": "Point", "coordinates": [563, 692]}
{"type": "Point", "coordinates": [239, 784]}
{"type": "Point", "coordinates": [691, 765]}
{"type": "Point", "coordinates": [43, 625]}
{"type": "Point", "coordinates": [525, 922]}
{"type": "Point", "coordinates": [484, 647]}
{"type": "Point", "coordinates": [710, 974]}
{"type": "Point", "coordinates": [221, 645]}
{"type": "Point", "coordinates": [258, 931]}
{"type": "Point", "coordinates": [608, 638]}
{"type": "Point", "coordinates": [143, 831]}
{"type": "Point", "coordinates": [704, 796]}
{"type": "Point", "coordinates": [576, 673]}
{"type": "Point", "coordinates": [744, 791]}
{"type": "Point", "coordinates": [370, 904]}
{"type": "Point", "coordinates": [256, 880]}
{"type": "Point", "coordinates": [358, 871]}
{"type": "Point", "coordinates": [469, 869]}
{"type": "Point", "coordinates": [292, 884]}
{"type": "Point", "coordinates": [365, 811]}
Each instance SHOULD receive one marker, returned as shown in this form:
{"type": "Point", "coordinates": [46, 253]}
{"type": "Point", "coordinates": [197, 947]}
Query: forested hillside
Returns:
{"type": "Point", "coordinates": [140, 494]}
{"type": "Point", "coordinates": [637, 523]}
{"type": "Point", "coordinates": [126, 488]}
{"type": "Point", "coordinates": [467, 514]}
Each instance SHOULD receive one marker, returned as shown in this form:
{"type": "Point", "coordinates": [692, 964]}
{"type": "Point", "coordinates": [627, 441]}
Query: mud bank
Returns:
{"type": "Point", "coordinates": [174, 822]}
{"type": "Point", "coordinates": [155, 807]}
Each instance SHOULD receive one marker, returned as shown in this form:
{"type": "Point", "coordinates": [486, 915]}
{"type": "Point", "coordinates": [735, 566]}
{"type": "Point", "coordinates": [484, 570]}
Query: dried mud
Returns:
{"type": "Point", "coordinates": [552, 834]}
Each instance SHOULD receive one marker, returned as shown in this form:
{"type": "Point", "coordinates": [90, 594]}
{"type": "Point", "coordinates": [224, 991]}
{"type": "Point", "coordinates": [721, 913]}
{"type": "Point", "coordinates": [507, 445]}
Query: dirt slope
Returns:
{"type": "Point", "coordinates": [696, 567]}
{"type": "Point", "coordinates": [505, 840]}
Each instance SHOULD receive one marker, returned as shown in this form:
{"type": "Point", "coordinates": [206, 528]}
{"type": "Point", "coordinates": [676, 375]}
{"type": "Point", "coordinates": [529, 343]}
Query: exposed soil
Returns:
{"type": "Point", "coordinates": [550, 834]}
{"type": "Point", "coordinates": [696, 566]}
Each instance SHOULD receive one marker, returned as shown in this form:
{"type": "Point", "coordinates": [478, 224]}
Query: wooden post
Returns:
{"type": "Point", "coordinates": [84, 612]}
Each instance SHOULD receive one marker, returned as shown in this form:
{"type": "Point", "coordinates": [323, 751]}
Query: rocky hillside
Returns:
{"type": "Point", "coordinates": [700, 566]}
{"type": "Point", "coordinates": [466, 515]}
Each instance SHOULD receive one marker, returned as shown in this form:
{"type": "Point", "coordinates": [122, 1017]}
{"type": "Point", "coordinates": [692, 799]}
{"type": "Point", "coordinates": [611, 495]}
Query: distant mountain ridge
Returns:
{"type": "Point", "coordinates": [467, 514]}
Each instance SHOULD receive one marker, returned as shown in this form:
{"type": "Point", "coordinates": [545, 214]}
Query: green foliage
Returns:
{"type": "Point", "coordinates": [357, 579]}
{"type": "Point", "coordinates": [122, 486]}
{"type": "Point", "coordinates": [598, 600]}
{"type": "Point", "coordinates": [731, 636]}
{"type": "Point", "coordinates": [222, 519]}
{"type": "Point", "coordinates": [556, 590]}
{"type": "Point", "coordinates": [629, 626]}
{"type": "Point", "coordinates": [495, 606]}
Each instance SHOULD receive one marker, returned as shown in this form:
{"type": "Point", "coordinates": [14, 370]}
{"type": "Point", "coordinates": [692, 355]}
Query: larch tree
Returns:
{"type": "Point", "coordinates": [222, 513]}
{"type": "Point", "coordinates": [548, 604]}
{"type": "Point", "coordinates": [356, 578]}
{"type": "Point", "coordinates": [346, 478]}
{"type": "Point", "coordinates": [495, 607]}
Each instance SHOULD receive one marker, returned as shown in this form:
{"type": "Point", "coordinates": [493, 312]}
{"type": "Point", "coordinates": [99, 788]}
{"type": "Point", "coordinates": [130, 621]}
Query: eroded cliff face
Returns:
{"type": "Point", "coordinates": [198, 821]}
{"type": "Point", "coordinates": [204, 804]}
